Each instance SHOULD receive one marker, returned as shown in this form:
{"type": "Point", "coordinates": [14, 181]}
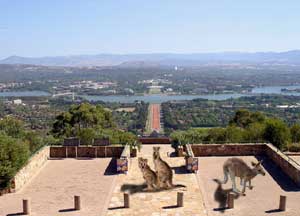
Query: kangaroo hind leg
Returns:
{"type": "Point", "coordinates": [234, 188]}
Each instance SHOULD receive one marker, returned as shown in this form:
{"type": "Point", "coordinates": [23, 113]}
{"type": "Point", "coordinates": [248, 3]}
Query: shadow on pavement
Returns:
{"type": "Point", "coordinates": [142, 188]}
{"type": "Point", "coordinates": [221, 196]}
{"type": "Point", "coordinates": [116, 208]}
{"type": "Point", "coordinates": [170, 207]}
{"type": "Point", "coordinates": [284, 181]}
{"type": "Point", "coordinates": [15, 214]}
{"type": "Point", "coordinates": [111, 169]}
{"type": "Point", "coordinates": [180, 170]}
{"type": "Point", "coordinates": [67, 210]}
{"type": "Point", "coordinates": [273, 211]}
{"type": "Point", "coordinates": [173, 154]}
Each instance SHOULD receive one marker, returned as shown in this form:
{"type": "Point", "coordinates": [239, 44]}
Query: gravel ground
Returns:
{"type": "Point", "coordinates": [52, 190]}
{"type": "Point", "coordinates": [262, 200]}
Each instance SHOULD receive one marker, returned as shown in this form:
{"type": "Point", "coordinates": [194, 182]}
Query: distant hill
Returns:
{"type": "Point", "coordinates": [160, 59]}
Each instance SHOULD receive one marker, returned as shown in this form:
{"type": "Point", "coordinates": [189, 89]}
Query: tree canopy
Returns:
{"type": "Point", "coordinates": [81, 117]}
{"type": "Point", "coordinates": [87, 122]}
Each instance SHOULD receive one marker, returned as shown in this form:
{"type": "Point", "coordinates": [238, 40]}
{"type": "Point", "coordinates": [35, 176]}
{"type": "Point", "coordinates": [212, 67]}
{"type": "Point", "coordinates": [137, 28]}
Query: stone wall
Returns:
{"type": "Point", "coordinates": [32, 167]}
{"type": "Point", "coordinates": [289, 167]}
{"type": "Point", "coordinates": [85, 151]}
{"type": "Point", "coordinates": [202, 150]}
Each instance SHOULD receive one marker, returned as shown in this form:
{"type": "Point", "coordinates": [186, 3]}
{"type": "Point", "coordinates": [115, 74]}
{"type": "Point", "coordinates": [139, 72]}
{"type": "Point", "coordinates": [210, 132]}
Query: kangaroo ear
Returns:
{"type": "Point", "coordinates": [253, 163]}
{"type": "Point", "coordinates": [146, 160]}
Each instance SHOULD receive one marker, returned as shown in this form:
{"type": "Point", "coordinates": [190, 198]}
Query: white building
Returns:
{"type": "Point", "coordinates": [17, 102]}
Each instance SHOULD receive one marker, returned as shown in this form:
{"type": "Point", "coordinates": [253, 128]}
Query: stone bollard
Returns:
{"type": "Point", "coordinates": [230, 200]}
{"type": "Point", "coordinates": [77, 203]}
{"type": "Point", "coordinates": [180, 199]}
{"type": "Point", "coordinates": [26, 207]}
{"type": "Point", "coordinates": [282, 203]}
{"type": "Point", "coordinates": [126, 200]}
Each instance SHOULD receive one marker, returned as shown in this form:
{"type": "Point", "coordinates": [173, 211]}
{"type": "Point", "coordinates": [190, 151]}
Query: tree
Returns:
{"type": "Point", "coordinates": [277, 133]}
{"type": "Point", "coordinates": [80, 117]}
{"type": "Point", "coordinates": [12, 127]}
{"type": "Point", "coordinates": [86, 136]}
{"type": "Point", "coordinates": [234, 134]}
{"type": "Point", "coordinates": [243, 118]}
{"type": "Point", "coordinates": [216, 135]}
{"type": "Point", "coordinates": [13, 155]}
{"type": "Point", "coordinates": [34, 140]}
{"type": "Point", "coordinates": [255, 132]}
{"type": "Point", "coordinates": [295, 133]}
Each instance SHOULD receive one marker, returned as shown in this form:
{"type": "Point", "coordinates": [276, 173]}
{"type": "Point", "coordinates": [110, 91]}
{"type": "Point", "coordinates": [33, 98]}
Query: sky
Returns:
{"type": "Point", "coordinates": [35, 28]}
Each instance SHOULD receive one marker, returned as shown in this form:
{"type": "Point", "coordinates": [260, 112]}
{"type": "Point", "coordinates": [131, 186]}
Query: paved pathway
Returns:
{"type": "Point", "coordinates": [158, 203]}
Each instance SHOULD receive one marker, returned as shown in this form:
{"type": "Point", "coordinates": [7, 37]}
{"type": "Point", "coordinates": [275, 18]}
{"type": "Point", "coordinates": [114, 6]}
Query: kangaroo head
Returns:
{"type": "Point", "coordinates": [258, 168]}
{"type": "Point", "coordinates": [142, 163]}
{"type": "Point", "coordinates": [156, 152]}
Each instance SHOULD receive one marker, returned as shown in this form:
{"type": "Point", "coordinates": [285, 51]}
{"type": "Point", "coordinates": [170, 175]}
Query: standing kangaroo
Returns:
{"type": "Point", "coordinates": [163, 170]}
{"type": "Point", "coordinates": [235, 167]}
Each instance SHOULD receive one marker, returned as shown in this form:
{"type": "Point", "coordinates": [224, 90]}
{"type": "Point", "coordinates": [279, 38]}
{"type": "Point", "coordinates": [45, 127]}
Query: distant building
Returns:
{"type": "Point", "coordinates": [17, 102]}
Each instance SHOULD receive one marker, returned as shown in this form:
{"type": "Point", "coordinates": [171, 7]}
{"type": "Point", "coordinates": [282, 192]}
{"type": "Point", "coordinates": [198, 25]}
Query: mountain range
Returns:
{"type": "Point", "coordinates": [163, 59]}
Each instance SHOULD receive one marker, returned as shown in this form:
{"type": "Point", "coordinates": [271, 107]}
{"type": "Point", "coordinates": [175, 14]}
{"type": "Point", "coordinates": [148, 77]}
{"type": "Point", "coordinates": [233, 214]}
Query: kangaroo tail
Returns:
{"type": "Point", "coordinates": [225, 171]}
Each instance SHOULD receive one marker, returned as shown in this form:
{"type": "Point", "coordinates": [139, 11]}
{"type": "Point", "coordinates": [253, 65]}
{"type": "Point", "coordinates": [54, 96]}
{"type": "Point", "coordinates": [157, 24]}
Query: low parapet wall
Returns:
{"type": "Point", "coordinates": [287, 165]}
{"type": "Point", "coordinates": [155, 140]}
{"type": "Point", "coordinates": [202, 150]}
{"type": "Point", "coordinates": [30, 169]}
{"type": "Point", "coordinates": [85, 151]}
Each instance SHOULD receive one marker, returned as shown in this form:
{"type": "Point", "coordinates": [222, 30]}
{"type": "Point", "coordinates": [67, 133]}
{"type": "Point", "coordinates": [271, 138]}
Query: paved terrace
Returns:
{"type": "Point", "coordinates": [158, 203]}
{"type": "Point", "coordinates": [296, 158]}
{"type": "Point", "coordinates": [52, 190]}
{"type": "Point", "coordinates": [262, 200]}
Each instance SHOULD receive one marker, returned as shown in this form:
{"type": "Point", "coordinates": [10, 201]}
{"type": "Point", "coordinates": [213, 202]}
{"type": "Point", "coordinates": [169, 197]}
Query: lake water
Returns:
{"type": "Point", "coordinates": [24, 94]}
{"type": "Point", "coordinates": [275, 90]}
{"type": "Point", "coordinates": [160, 98]}
{"type": "Point", "coordinates": [163, 98]}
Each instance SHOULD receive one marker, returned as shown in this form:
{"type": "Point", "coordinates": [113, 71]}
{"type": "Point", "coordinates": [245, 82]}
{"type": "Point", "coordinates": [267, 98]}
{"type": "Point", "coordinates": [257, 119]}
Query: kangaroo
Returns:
{"type": "Point", "coordinates": [163, 170]}
{"type": "Point", "coordinates": [235, 167]}
{"type": "Point", "coordinates": [148, 174]}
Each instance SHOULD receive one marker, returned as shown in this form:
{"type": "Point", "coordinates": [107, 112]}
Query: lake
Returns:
{"type": "Point", "coordinates": [160, 98]}
{"type": "Point", "coordinates": [275, 90]}
{"type": "Point", "coordinates": [24, 94]}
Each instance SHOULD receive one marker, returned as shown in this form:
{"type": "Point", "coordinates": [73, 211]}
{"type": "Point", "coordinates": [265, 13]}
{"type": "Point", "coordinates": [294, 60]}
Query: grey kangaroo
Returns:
{"type": "Point", "coordinates": [148, 174]}
{"type": "Point", "coordinates": [235, 167]}
{"type": "Point", "coordinates": [163, 170]}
